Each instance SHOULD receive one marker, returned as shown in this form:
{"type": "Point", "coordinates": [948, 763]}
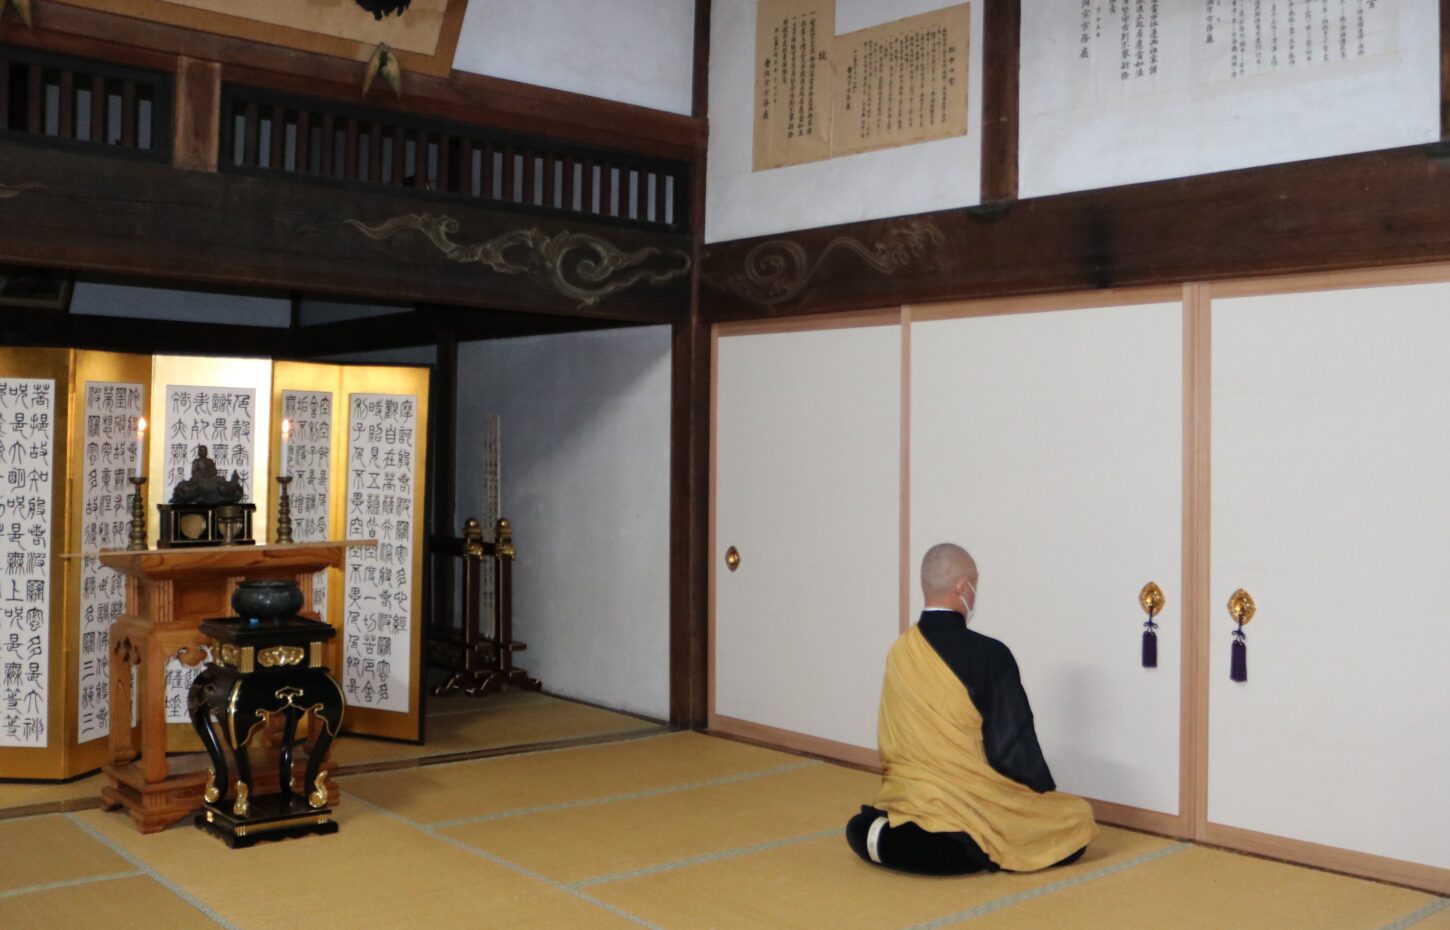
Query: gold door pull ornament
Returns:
{"type": "Point", "coordinates": [732, 558]}
{"type": "Point", "coordinates": [1241, 608]}
{"type": "Point", "coordinates": [1151, 599]}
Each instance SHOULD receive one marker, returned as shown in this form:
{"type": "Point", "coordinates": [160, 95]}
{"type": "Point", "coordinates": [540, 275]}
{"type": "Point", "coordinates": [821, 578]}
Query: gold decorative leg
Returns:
{"type": "Point", "coordinates": [212, 795]}
{"type": "Point", "coordinates": [243, 805]}
{"type": "Point", "coordinates": [318, 797]}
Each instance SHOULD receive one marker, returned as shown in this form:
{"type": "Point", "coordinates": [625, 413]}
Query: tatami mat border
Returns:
{"type": "Point", "coordinates": [628, 796]}
{"type": "Point", "coordinates": [997, 904]}
{"type": "Point", "coordinates": [709, 857]}
{"type": "Point", "coordinates": [152, 873]}
{"type": "Point", "coordinates": [512, 866]}
{"type": "Point", "coordinates": [1424, 913]}
{"type": "Point", "coordinates": [69, 883]}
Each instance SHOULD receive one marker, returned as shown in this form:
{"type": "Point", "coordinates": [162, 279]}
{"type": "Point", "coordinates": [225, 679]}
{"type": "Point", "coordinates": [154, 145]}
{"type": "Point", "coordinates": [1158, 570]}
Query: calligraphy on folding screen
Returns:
{"type": "Point", "coordinates": [309, 462]}
{"type": "Point", "coordinates": [27, 431]}
{"type": "Point", "coordinates": [378, 608]}
{"type": "Point", "coordinates": [223, 419]}
{"type": "Point", "coordinates": [108, 458]}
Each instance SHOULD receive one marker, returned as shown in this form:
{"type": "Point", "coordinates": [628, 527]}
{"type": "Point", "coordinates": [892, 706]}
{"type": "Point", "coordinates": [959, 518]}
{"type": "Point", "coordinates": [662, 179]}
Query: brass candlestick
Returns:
{"type": "Point", "coordinates": [284, 511]}
{"type": "Point", "coordinates": [138, 515]}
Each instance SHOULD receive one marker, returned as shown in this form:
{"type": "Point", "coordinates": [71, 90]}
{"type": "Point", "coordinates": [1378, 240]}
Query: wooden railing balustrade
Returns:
{"type": "Point", "coordinates": [72, 101]}
{"type": "Point", "coordinates": [274, 133]}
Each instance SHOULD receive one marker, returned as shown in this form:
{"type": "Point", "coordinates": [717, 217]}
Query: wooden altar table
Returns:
{"type": "Point", "coordinates": [169, 592]}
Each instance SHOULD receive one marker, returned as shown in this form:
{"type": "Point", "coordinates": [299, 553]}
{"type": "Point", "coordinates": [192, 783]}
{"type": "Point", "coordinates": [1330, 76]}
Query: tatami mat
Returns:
{"type": "Point", "coordinates": [672, 832]}
{"type": "Point", "coordinates": [516, 719]}
{"type": "Point", "coordinates": [375, 872]}
{"type": "Point", "coordinates": [455, 725]}
{"type": "Point", "coordinates": [490, 787]}
{"type": "Point", "coordinates": [767, 889]}
{"type": "Point", "coordinates": [43, 850]}
{"type": "Point", "coordinates": [1209, 889]}
{"type": "Point", "coordinates": [21, 797]}
{"type": "Point", "coordinates": [589, 842]}
{"type": "Point", "coordinates": [134, 903]}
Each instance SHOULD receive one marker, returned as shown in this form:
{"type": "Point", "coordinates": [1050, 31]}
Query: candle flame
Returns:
{"type": "Point", "coordinates": [141, 424]}
{"type": "Point", "coordinates": [286, 427]}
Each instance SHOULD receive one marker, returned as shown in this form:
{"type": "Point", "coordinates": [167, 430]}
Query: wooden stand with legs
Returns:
{"type": "Point", "coordinates": [480, 664]}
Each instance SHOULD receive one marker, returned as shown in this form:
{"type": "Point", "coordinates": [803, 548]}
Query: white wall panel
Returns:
{"type": "Point", "coordinates": [1050, 446]}
{"type": "Point", "coordinates": [911, 179]}
{"type": "Point", "coordinates": [808, 489]}
{"type": "Point", "coordinates": [632, 51]}
{"type": "Point", "coordinates": [1331, 506]}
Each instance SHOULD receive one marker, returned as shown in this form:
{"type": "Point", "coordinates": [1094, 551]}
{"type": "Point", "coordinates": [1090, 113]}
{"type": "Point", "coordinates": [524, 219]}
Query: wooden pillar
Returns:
{"type": "Point", "coordinates": [197, 119]}
{"type": "Point", "coordinates": [690, 454]}
{"type": "Point", "coordinates": [1001, 59]}
{"type": "Point", "coordinates": [443, 415]}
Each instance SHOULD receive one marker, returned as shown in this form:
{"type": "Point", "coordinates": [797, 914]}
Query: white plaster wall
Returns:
{"type": "Point", "coordinates": [1079, 130]}
{"type": "Point", "coordinates": [155, 303]}
{"type": "Point", "coordinates": [893, 182]}
{"type": "Point", "coordinates": [632, 51]}
{"type": "Point", "coordinates": [585, 427]}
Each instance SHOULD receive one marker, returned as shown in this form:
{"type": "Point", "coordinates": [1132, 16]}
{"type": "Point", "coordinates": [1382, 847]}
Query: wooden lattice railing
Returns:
{"type": "Point", "coordinates": [273, 133]}
{"type": "Point", "coordinates": [90, 104]}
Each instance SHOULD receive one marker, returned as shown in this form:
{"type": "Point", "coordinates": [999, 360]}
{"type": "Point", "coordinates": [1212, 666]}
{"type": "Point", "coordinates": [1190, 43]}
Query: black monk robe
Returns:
{"type": "Point", "coordinates": [960, 752]}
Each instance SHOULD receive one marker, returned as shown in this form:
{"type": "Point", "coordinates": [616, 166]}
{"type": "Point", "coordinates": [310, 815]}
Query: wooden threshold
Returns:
{"type": "Point", "coordinates": [1330, 858]}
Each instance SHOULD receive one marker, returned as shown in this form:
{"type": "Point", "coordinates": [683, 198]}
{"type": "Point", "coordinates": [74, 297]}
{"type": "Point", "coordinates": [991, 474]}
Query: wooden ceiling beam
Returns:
{"type": "Point", "coordinates": [1352, 211]}
{"type": "Point", "coordinates": [462, 96]}
{"type": "Point", "coordinates": [125, 216]}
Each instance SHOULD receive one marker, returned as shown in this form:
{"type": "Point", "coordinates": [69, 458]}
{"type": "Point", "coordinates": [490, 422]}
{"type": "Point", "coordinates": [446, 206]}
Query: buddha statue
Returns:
{"type": "Point", "coordinates": [204, 487]}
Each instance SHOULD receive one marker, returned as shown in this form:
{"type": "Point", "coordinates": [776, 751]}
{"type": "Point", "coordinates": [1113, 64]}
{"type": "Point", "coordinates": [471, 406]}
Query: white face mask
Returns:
{"type": "Point", "coordinates": [971, 608]}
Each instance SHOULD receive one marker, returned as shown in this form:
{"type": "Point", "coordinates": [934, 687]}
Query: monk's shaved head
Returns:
{"type": "Point", "coordinates": [943, 566]}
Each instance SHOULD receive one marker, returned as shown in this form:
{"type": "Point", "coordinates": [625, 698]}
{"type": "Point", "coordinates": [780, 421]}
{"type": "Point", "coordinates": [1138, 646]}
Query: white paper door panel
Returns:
{"type": "Point", "coordinates": [1050, 446]}
{"type": "Point", "coordinates": [808, 490]}
{"type": "Point", "coordinates": [1331, 506]}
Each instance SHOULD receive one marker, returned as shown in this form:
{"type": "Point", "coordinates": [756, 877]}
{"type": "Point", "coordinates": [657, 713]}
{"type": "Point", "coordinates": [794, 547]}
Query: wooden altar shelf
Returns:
{"type": "Point", "coordinates": [168, 594]}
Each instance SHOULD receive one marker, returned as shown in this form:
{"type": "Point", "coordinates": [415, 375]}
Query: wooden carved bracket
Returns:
{"type": "Point", "coordinates": [780, 270]}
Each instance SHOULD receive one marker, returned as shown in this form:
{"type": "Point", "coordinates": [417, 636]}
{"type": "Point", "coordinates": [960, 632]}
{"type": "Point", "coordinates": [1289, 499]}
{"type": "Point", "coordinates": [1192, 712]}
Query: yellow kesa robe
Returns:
{"type": "Point", "coordinates": [937, 775]}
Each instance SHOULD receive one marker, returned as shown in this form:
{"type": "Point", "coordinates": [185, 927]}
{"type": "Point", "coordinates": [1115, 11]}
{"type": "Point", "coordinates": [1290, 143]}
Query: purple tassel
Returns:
{"type": "Point", "coordinates": [1239, 658]}
{"type": "Point", "coordinates": [1150, 649]}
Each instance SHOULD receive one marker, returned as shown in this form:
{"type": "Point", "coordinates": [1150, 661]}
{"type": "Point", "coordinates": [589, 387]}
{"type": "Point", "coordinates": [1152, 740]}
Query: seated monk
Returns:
{"type": "Point", "coordinates": [965, 787]}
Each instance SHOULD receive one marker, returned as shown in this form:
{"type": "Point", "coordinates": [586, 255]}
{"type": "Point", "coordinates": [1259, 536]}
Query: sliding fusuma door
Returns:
{"type": "Point", "coordinates": [804, 572]}
{"type": "Point", "coordinates": [1049, 442]}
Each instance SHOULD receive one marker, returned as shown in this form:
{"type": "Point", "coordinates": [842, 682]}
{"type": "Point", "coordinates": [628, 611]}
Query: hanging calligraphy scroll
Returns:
{"type": "Point", "coordinates": [378, 608]}
{"type": "Point", "coordinates": [27, 431]}
{"type": "Point", "coordinates": [819, 95]}
{"type": "Point", "coordinates": [902, 82]}
{"type": "Point", "coordinates": [309, 462]}
{"type": "Point", "coordinates": [108, 457]}
{"type": "Point", "coordinates": [1122, 91]}
{"type": "Point", "coordinates": [793, 81]}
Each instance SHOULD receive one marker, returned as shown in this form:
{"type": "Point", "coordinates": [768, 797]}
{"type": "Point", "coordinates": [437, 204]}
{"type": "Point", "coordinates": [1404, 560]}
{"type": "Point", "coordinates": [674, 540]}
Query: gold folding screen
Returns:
{"type": "Point", "coordinates": [91, 453]}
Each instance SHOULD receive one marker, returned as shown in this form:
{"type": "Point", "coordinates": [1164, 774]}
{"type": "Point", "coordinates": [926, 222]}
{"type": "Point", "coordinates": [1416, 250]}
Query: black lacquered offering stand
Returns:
{"type": "Point", "coordinates": [272, 667]}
